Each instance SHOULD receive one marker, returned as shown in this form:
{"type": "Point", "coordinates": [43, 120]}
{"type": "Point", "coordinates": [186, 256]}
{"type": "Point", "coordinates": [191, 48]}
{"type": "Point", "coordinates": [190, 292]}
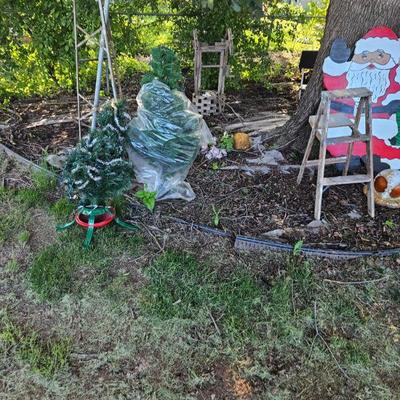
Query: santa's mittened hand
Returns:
{"type": "Point", "coordinates": [340, 53]}
{"type": "Point", "coordinates": [392, 108]}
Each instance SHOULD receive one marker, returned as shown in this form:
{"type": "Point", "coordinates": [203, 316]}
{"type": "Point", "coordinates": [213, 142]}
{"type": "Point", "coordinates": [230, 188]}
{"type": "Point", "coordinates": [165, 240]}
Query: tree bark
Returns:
{"type": "Point", "coordinates": [350, 20]}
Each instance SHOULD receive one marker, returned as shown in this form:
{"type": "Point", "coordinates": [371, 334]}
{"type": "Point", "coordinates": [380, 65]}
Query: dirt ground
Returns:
{"type": "Point", "coordinates": [249, 205]}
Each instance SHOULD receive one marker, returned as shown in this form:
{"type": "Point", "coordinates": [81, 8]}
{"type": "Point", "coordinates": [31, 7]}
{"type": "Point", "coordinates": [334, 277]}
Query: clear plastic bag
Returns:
{"type": "Point", "coordinates": [164, 140]}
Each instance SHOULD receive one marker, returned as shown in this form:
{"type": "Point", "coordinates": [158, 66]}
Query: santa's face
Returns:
{"type": "Point", "coordinates": [373, 59]}
{"type": "Point", "coordinates": [371, 69]}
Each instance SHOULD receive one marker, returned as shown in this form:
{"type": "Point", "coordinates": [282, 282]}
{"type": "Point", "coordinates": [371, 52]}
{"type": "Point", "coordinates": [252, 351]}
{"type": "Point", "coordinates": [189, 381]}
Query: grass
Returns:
{"type": "Point", "coordinates": [44, 357]}
{"type": "Point", "coordinates": [62, 209]}
{"type": "Point", "coordinates": [279, 320]}
{"type": "Point", "coordinates": [43, 184]}
{"type": "Point", "coordinates": [11, 265]}
{"type": "Point", "coordinates": [59, 268]}
{"type": "Point", "coordinates": [14, 218]}
{"type": "Point", "coordinates": [124, 320]}
{"type": "Point", "coordinates": [16, 206]}
{"type": "Point", "coordinates": [181, 287]}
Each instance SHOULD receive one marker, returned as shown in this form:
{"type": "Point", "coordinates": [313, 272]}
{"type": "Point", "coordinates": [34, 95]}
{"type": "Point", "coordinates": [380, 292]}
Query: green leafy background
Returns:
{"type": "Point", "coordinates": [37, 46]}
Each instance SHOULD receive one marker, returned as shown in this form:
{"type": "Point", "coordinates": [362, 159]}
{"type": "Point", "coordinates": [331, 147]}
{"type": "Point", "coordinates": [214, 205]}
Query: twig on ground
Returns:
{"type": "Point", "coordinates": [10, 111]}
{"type": "Point", "coordinates": [357, 282]}
{"type": "Point", "coordinates": [293, 301]}
{"type": "Point", "coordinates": [213, 321]}
{"type": "Point", "coordinates": [45, 122]}
{"type": "Point", "coordinates": [236, 114]}
{"type": "Point", "coordinates": [285, 145]}
{"type": "Point", "coordinates": [153, 237]}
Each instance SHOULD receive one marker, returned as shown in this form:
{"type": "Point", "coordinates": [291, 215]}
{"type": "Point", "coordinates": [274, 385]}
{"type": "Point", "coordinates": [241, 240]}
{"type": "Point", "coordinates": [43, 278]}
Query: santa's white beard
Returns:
{"type": "Point", "coordinates": [376, 80]}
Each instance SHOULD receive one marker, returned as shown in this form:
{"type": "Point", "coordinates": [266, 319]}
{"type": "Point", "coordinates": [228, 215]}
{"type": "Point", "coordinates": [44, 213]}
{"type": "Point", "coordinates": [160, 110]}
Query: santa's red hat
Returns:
{"type": "Point", "coordinates": [380, 38]}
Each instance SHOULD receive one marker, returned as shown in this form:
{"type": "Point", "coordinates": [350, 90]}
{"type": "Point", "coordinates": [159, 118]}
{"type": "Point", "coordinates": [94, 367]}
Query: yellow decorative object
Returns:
{"type": "Point", "coordinates": [387, 188]}
{"type": "Point", "coordinates": [241, 141]}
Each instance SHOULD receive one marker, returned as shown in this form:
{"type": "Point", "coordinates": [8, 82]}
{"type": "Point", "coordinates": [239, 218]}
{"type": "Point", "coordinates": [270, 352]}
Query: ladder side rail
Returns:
{"type": "Point", "coordinates": [370, 155]}
{"type": "Point", "coordinates": [355, 131]}
{"type": "Point", "coordinates": [322, 156]}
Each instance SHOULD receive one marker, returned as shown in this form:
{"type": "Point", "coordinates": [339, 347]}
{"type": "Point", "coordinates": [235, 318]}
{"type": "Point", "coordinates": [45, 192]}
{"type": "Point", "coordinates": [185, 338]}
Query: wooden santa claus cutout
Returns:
{"type": "Point", "coordinates": [374, 65]}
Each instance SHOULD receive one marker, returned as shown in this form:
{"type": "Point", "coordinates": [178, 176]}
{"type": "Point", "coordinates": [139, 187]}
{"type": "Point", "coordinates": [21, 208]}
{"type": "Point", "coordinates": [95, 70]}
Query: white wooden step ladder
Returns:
{"type": "Point", "coordinates": [320, 123]}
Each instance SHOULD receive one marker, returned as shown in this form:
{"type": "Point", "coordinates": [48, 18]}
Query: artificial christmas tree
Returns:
{"type": "Point", "coordinates": [97, 171]}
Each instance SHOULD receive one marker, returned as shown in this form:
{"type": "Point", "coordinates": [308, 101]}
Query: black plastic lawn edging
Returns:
{"type": "Point", "coordinates": [247, 243]}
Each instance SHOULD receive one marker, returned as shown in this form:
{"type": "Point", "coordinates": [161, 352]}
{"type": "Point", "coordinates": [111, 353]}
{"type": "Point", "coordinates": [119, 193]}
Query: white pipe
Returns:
{"type": "Point", "coordinates": [78, 99]}
{"type": "Point", "coordinates": [99, 68]}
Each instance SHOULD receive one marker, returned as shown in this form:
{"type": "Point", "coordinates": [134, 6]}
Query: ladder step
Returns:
{"type": "Point", "coordinates": [345, 180]}
{"type": "Point", "coordinates": [334, 121]}
{"type": "Point", "coordinates": [348, 139]}
{"type": "Point", "coordinates": [328, 161]}
{"type": "Point", "coordinates": [341, 93]}
{"type": "Point", "coordinates": [213, 49]}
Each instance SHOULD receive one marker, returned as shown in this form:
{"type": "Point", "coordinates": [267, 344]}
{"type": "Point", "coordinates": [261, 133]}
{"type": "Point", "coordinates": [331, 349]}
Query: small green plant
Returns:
{"type": "Point", "coordinates": [215, 166]}
{"type": "Point", "coordinates": [390, 224]}
{"type": "Point", "coordinates": [216, 215]}
{"type": "Point", "coordinates": [297, 248]}
{"type": "Point", "coordinates": [226, 142]}
{"type": "Point", "coordinates": [147, 198]}
{"type": "Point", "coordinates": [23, 237]}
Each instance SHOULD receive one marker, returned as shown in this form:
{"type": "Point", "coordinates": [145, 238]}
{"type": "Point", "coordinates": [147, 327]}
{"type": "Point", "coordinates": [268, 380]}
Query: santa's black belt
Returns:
{"type": "Point", "coordinates": [392, 108]}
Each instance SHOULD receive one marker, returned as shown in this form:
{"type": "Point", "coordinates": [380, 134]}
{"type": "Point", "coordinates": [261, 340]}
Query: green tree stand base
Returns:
{"type": "Point", "coordinates": [93, 218]}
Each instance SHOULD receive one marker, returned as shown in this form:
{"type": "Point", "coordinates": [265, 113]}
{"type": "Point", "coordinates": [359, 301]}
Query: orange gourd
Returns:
{"type": "Point", "coordinates": [241, 141]}
{"type": "Point", "coordinates": [380, 184]}
{"type": "Point", "coordinates": [395, 192]}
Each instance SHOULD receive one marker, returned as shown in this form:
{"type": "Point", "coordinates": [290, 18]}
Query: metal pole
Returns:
{"type": "Point", "coordinates": [104, 21]}
{"type": "Point", "coordinates": [100, 62]}
{"type": "Point", "coordinates": [78, 98]}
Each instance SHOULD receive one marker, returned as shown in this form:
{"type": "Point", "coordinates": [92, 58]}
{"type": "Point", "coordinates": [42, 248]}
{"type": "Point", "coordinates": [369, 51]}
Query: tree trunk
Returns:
{"type": "Point", "coordinates": [350, 20]}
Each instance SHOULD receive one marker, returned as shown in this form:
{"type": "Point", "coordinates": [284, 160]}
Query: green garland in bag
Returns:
{"type": "Point", "coordinates": [165, 67]}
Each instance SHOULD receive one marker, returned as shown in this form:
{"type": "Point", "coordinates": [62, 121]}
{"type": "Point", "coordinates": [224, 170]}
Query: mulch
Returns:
{"type": "Point", "coordinates": [250, 205]}
{"type": "Point", "coordinates": [256, 205]}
